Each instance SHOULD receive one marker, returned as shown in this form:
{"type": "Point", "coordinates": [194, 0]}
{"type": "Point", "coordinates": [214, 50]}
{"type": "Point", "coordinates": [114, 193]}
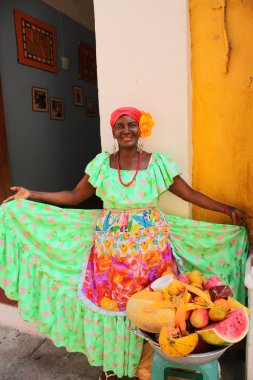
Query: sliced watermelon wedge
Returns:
{"type": "Point", "coordinates": [231, 330]}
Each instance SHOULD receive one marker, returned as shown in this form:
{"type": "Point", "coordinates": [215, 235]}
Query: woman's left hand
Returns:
{"type": "Point", "coordinates": [239, 217]}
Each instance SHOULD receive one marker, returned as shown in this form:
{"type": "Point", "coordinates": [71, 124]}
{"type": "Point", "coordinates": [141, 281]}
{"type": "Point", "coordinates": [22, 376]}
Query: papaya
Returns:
{"type": "Point", "coordinates": [234, 305]}
{"type": "Point", "coordinates": [194, 306]}
{"type": "Point", "coordinates": [197, 291]}
{"type": "Point", "coordinates": [180, 316]}
{"type": "Point", "coordinates": [147, 311]}
{"type": "Point", "coordinates": [158, 305]}
{"type": "Point", "coordinates": [175, 345]}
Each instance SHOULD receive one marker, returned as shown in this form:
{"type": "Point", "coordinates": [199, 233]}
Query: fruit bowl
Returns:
{"type": "Point", "coordinates": [192, 359]}
{"type": "Point", "coordinates": [178, 315]}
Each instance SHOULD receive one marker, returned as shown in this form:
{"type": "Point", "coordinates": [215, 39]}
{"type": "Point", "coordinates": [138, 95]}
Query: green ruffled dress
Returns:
{"type": "Point", "coordinates": [43, 249]}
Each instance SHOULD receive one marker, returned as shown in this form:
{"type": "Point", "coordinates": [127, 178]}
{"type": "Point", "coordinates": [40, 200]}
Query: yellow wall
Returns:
{"type": "Point", "coordinates": [222, 67]}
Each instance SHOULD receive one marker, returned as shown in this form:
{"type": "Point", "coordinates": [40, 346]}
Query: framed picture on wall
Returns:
{"type": "Point", "coordinates": [36, 42]}
{"type": "Point", "coordinates": [57, 109]}
{"type": "Point", "coordinates": [39, 99]}
{"type": "Point", "coordinates": [77, 96]}
{"type": "Point", "coordinates": [87, 63]}
{"type": "Point", "coordinates": [91, 106]}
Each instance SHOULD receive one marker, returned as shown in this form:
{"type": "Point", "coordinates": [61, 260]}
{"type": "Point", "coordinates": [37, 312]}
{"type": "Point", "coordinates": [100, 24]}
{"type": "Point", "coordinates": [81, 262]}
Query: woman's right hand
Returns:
{"type": "Point", "coordinates": [21, 193]}
{"type": "Point", "coordinates": [80, 193]}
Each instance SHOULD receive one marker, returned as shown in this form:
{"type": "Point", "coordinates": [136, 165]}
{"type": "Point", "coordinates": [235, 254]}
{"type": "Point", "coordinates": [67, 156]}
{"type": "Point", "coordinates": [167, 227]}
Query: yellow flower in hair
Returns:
{"type": "Point", "coordinates": [145, 124]}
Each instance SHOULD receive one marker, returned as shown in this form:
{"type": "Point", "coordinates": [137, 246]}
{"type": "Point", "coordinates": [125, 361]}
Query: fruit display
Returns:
{"type": "Point", "coordinates": [186, 310]}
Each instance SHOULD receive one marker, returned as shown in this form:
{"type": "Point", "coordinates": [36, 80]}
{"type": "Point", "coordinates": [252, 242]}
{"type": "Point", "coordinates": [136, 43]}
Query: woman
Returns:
{"type": "Point", "coordinates": [121, 249]}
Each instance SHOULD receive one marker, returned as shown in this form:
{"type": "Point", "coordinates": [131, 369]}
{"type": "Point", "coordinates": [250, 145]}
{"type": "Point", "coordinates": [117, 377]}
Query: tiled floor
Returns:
{"type": "Point", "coordinates": [28, 357]}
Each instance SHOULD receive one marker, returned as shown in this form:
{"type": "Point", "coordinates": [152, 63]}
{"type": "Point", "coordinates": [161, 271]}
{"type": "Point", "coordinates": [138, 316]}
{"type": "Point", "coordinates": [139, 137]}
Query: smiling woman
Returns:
{"type": "Point", "coordinates": [84, 265]}
{"type": "Point", "coordinates": [126, 130]}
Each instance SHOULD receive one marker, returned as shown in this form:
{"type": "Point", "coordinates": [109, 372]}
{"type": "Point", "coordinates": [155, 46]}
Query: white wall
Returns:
{"type": "Point", "coordinates": [143, 61]}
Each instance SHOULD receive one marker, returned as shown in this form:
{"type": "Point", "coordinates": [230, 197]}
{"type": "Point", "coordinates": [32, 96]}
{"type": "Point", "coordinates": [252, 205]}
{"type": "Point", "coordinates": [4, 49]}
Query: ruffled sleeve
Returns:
{"type": "Point", "coordinates": [164, 170]}
{"type": "Point", "coordinates": [95, 169]}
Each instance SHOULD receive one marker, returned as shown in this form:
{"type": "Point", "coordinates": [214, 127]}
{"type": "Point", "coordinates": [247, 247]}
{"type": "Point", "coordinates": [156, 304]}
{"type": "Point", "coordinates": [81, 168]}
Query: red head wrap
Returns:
{"type": "Point", "coordinates": [130, 111]}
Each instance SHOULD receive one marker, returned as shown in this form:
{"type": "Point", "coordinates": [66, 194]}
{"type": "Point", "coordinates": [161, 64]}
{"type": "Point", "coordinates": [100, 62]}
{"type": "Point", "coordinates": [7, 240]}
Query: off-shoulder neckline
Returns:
{"type": "Point", "coordinates": [130, 170]}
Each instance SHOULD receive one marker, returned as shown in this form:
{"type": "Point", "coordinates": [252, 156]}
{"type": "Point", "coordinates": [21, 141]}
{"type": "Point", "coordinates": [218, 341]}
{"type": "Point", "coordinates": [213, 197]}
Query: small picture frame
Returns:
{"type": "Point", "coordinates": [91, 106]}
{"type": "Point", "coordinates": [78, 96]}
{"type": "Point", "coordinates": [39, 99]}
{"type": "Point", "coordinates": [57, 109]}
{"type": "Point", "coordinates": [87, 62]}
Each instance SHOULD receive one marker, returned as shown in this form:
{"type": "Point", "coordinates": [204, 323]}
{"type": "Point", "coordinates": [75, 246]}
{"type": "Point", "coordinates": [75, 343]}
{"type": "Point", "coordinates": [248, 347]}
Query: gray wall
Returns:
{"type": "Point", "coordinates": [46, 154]}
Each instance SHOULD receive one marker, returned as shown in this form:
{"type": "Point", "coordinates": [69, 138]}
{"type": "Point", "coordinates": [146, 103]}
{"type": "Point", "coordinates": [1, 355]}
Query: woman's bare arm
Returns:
{"type": "Point", "coordinates": [184, 191]}
{"type": "Point", "coordinates": [80, 193]}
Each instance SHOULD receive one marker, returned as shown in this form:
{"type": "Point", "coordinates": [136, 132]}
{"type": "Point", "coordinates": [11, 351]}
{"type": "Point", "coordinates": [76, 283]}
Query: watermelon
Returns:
{"type": "Point", "coordinates": [231, 330]}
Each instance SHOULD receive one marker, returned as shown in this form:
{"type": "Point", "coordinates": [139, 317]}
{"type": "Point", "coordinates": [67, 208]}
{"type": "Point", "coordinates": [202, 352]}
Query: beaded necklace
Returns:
{"type": "Point", "coordinates": [135, 174]}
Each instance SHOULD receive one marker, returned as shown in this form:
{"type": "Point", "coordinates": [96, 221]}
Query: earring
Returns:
{"type": "Point", "coordinates": [115, 149]}
{"type": "Point", "coordinates": [139, 147]}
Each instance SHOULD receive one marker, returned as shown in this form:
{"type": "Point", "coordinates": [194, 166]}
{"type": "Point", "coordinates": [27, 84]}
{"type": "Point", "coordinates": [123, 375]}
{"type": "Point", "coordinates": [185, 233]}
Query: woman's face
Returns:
{"type": "Point", "coordinates": [126, 131]}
